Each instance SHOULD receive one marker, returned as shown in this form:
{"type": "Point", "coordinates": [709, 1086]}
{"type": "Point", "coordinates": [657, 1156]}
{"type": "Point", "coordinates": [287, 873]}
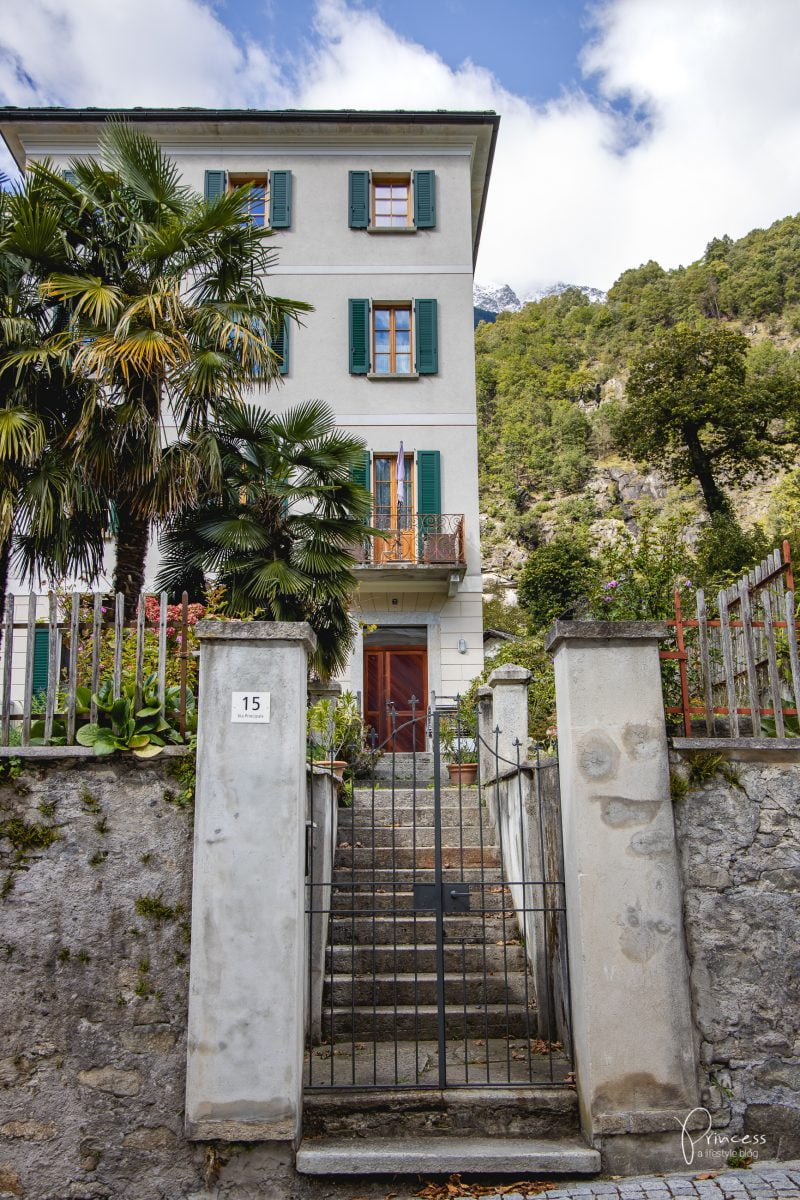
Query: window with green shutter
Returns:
{"type": "Point", "coordinates": [425, 199]}
{"type": "Point", "coordinates": [360, 471]}
{"type": "Point", "coordinates": [359, 336]}
{"type": "Point", "coordinates": [41, 654]}
{"type": "Point", "coordinates": [215, 185]}
{"type": "Point", "coordinates": [427, 336]}
{"type": "Point", "coordinates": [280, 199]}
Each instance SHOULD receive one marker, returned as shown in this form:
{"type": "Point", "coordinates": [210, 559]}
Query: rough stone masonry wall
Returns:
{"type": "Point", "coordinates": [93, 991]}
{"type": "Point", "coordinates": [740, 856]}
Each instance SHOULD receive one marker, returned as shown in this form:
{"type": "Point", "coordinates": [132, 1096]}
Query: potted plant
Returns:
{"type": "Point", "coordinates": [459, 750]}
{"type": "Point", "coordinates": [336, 733]}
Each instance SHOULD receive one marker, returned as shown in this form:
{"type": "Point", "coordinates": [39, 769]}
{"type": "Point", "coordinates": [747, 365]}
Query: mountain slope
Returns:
{"type": "Point", "coordinates": [547, 458]}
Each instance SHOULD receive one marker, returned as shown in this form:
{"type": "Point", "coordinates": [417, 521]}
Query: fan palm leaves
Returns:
{"type": "Point", "coordinates": [158, 306]}
{"type": "Point", "coordinates": [280, 531]}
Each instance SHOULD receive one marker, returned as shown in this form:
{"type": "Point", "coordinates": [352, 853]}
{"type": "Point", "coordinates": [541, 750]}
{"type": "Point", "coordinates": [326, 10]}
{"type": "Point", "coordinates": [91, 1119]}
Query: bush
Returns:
{"type": "Point", "coordinates": [637, 575]}
{"type": "Point", "coordinates": [725, 552]}
{"type": "Point", "coordinates": [555, 578]}
{"type": "Point", "coordinates": [526, 652]}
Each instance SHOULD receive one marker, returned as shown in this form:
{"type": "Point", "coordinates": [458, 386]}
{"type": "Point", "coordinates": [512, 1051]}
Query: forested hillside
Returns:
{"type": "Point", "coordinates": [555, 443]}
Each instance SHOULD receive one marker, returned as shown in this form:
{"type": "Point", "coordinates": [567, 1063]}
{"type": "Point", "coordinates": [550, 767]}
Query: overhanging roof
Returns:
{"type": "Point", "coordinates": [20, 126]}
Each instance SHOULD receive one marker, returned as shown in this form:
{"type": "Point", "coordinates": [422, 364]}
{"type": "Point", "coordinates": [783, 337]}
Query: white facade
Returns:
{"type": "Point", "coordinates": [322, 260]}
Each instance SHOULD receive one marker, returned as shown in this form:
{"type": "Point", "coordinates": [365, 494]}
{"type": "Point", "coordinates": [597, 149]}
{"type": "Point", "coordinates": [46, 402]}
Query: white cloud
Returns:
{"type": "Point", "coordinates": [574, 195]}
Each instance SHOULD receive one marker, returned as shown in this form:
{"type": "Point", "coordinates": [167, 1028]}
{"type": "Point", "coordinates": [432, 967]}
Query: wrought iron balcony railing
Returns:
{"type": "Point", "coordinates": [416, 539]}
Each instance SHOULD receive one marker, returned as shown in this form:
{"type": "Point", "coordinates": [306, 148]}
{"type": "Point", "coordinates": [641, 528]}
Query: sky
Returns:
{"type": "Point", "coordinates": [631, 129]}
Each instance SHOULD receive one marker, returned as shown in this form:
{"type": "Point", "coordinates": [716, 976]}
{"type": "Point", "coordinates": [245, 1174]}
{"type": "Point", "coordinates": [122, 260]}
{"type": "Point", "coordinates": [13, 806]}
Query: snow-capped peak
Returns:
{"type": "Point", "coordinates": [495, 297]}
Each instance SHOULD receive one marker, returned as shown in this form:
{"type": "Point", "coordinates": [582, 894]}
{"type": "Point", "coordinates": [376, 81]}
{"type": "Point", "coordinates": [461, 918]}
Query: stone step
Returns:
{"type": "Point", "coordinates": [421, 930]}
{"type": "Point", "coordinates": [407, 1022]}
{"type": "Point", "coordinates": [443, 1155]}
{"type": "Point", "coordinates": [423, 836]}
{"type": "Point", "coordinates": [404, 959]}
{"type": "Point", "coordinates": [403, 877]}
{"type": "Point", "coordinates": [384, 797]}
{"type": "Point", "coordinates": [457, 1112]}
{"type": "Point", "coordinates": [384, 857]}
{"type": "Point", "coordinates": [364, 898]}
{"type": "Point", "coordinates": [386, 990]}
{"type": "Point", "coordinates": [409, 814]}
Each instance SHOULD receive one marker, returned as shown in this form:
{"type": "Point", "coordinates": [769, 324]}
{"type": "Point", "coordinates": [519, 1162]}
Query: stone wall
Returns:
{"type": "Point", "coordinates": [93, 990]}
{"type": "Point", "coordinates": [739, 842]}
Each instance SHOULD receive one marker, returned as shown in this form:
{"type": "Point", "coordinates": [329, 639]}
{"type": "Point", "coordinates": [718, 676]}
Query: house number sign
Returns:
{"type": "Point", "coordinates": [251, 708]}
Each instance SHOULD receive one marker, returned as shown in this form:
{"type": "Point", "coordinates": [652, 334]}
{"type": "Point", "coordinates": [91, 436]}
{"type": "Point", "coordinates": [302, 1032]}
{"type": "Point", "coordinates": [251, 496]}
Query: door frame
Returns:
{"type": "Point", "coordinates": [383, 734]}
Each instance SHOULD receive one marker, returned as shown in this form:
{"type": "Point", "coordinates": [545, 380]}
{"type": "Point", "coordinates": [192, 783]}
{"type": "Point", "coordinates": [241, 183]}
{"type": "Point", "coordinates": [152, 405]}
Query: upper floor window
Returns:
{"type": "Point", "coordinates": [391, 196]}
{"type": "Point", "coordinates": [384, 202]}
{"type": "Point", "coordinates": [269, 203]}
{"type": "Point", "coordinates": [391, 339]}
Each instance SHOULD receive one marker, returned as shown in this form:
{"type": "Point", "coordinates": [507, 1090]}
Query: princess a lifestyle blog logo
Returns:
{"type": "Point", "coordinates": [704, 1144]}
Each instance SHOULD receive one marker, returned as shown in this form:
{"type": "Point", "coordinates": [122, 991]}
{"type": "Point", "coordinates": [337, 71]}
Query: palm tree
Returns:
{"type": "Point", "coordinates": [280, 533]}
{"type": "Point", "coordinates": [169, 319]}
{"type": "Point", "coordinates": [47, 510]}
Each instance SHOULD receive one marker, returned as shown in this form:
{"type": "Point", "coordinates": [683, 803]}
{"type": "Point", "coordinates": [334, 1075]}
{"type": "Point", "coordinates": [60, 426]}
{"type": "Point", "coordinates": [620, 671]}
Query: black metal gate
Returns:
{"type": "Point", "coordinates": [439, 921]}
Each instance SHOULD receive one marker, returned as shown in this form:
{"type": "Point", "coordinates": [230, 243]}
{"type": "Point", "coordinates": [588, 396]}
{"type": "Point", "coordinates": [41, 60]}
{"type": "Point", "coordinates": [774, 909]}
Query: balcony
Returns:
{"type": "Point", "coordinates": [413, 548]}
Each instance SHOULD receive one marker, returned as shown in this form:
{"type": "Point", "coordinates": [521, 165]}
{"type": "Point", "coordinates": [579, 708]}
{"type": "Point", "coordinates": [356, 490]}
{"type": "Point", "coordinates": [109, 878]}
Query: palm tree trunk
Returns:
{"type": "Point", "coordinates": [133, 539]}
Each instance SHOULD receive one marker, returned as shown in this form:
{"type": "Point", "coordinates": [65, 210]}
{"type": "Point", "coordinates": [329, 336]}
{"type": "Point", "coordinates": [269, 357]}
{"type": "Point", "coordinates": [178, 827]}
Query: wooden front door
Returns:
{"type": "Point", "coordinates": [396, 673]}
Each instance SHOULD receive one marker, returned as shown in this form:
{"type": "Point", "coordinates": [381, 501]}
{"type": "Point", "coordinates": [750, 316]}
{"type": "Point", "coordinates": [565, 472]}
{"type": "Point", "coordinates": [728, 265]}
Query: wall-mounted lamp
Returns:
{"type": "Point", "coordinates": [462, 646]}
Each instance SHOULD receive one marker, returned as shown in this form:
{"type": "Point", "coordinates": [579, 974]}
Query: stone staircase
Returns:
{"type": "Point", "coordinates": [383, 983]}
{"type": "Point", "coordinates": [379, 1018]}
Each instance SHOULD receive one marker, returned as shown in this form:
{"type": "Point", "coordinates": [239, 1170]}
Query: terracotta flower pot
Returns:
{"type": "Point", "coordinates": [336, 765]}
{"type": "Point", "coordinates": [464, 773]}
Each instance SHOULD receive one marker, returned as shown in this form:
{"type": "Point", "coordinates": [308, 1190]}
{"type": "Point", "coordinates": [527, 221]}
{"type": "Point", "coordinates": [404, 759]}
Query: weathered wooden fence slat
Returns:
{"type": "Point", "coordinates": [727, 654]}
{"type": "Point", "coordinates": [119, 635]}
{"type": "Point", "coordinates": [52, 664]}
{"type": "Point", "coordinates": [139, 653]}
{"type": "Point", "coordinates": [97, 634]}
{"type": "Point", "coordinates": [705, 661]}
{"type": "Point", "coordinates": [794, 657]}
{"type": "Point", "coordinates": [8, 651]}
{"type": "Point", "coordinates": [72, 668]}
{"type": "Point", "coordinates": [30, 649]}
{"type": "Point", "coordinates": [162, 647]}
{"type": "Point", "coordinates": [772, 667]}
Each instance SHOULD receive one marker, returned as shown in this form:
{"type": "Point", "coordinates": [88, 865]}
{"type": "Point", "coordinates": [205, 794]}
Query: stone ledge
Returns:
{"type": "Point", "coordinates": [752, 749]}
{"type": "Point", "coordinates": [603, 631]}
{"type": "Point", "coordinates": [257, 631]}
{"type": "Point", "coordinates": [68, 752]}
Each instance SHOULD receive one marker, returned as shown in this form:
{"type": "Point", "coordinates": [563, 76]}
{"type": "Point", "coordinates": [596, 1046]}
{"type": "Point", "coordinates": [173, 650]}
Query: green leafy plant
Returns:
{"type": "Point", "coordinates": [122, 726]}
{"type": "Point", "coordinates": [336, 729]}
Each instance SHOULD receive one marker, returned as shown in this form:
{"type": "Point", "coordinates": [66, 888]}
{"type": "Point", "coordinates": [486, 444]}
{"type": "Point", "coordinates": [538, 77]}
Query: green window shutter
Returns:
{"type": "Point", "coordinates": [359, 336]}
{"type": "Point", "coordinates": [70, 177]}
{"type": "Point", "coordinates": [281, 347]}
{"type": "Point", "coordinates": [41, 654]}
{"type": "Point", "coordinates": [280, 199]}
{"type": "Point", "coordinates": [359, 199]}
{"type": "Point", "coordinates": [360, 472]}
{"type": "Point", "coordinates": [429, 482]}
{"type": "Point", "coordinates": [425, 199]}
{"type": "Point", "coordinates": [214, 185]}
{"type": "Point", "coordinates": [427, 321]}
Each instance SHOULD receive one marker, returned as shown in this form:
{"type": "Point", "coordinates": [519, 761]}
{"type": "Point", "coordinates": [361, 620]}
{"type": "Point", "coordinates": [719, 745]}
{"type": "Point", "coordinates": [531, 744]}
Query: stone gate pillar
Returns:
{"type": "Point", "coordinates": [248, 955]}
{"type": "Point", "coordinates": [632, 1025]}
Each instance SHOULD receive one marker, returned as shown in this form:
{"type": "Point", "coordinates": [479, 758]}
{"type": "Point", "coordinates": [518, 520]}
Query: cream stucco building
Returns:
{"type": "Point", "coordinates": [377, 219]}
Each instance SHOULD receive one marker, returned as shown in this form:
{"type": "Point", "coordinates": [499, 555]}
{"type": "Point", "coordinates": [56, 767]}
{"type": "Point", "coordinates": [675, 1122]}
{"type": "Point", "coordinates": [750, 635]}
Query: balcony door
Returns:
{"type": "Point", "coordinates": [395, 674]}
{"type": "Point", "coordinates": [394, 509]}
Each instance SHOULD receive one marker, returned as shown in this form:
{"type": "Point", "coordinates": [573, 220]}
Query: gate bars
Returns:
{"type": "Point", "coordinates": [438, 920]}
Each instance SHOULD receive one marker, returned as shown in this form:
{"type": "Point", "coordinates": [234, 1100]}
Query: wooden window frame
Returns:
{"type": "Point", "coordinates": [392, 306]}
{"type": "Point", "coordinates": [258, 179]}
{"type": "Point", "coordinates": [387, 179]}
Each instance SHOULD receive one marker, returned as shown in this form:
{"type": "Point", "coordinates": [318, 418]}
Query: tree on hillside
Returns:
{"type": "Point", "coordinates": [698, 410]}
{"type": "Point", "coordinates": [167, 315]}
{"type": "Point", "coordinates": [280, 533]}
{"type": "Point", "coordinates": [556, 577]}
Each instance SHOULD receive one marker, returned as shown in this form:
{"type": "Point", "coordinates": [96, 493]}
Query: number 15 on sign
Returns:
{"type": "Point", "coordinates": [250, 708]}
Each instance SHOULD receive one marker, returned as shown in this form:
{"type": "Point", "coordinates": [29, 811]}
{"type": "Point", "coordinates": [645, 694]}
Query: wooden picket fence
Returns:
{"type": "Point", "coordinates": [82, 630]}
{"type": "Point", "coordinates": [739, 670]}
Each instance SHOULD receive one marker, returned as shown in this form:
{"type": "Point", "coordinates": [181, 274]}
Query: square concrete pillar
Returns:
{"type": "Point", "coordinates": [510, 713]}
{"type": "Point", "coordinates": [247, 990]}
{"type": "Point", "coordinates": [632, 1025]}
